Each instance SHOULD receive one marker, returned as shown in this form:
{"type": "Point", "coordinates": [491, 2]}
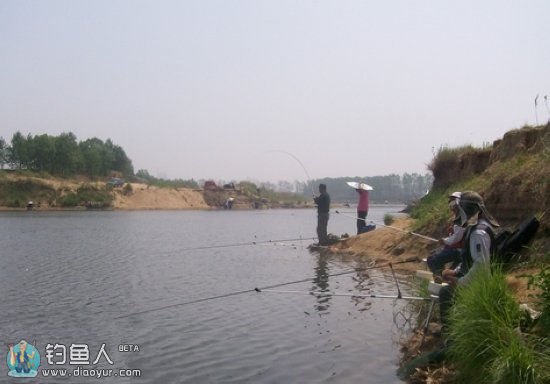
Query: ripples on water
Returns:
{"type": "Point", "coordinates": [66, 277]}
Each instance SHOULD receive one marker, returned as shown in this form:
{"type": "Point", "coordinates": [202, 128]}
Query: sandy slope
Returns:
{"type": "Point", "coordinates": [388, 245]}
{"type": "Point", "coordinates": [142, 196]}
{"type": "Point", "coordinates": [150, 197]}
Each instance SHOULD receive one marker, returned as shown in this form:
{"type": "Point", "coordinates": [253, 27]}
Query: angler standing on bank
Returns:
{"type": "Point", "coordinates": [362, 208]}
{"type": "Point", "coordinates": [323, 207]}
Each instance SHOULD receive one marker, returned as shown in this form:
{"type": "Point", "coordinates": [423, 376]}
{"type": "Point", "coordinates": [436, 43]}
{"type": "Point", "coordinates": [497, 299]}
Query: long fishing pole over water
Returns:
{"type": "Point", "coordinates": [271, 288]}
{"type": "Point", "coordinates": [308, 178]}
{"type": "Point", "coordinates": [392, 227]}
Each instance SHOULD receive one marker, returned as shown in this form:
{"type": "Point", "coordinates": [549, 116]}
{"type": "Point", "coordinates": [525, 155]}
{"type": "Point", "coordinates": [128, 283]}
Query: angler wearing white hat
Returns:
{"type": "Point", "coordinates": [363, 204]}
{"type": "Point", "coordinates": [452, 244]}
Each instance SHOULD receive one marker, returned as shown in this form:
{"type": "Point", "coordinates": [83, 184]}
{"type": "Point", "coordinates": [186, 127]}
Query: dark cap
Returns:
{"type": "Point", "coordinates": [472, 204]}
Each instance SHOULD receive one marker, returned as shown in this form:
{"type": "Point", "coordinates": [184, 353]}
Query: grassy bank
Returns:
{"type": "Point", "coordinates": [514, 185]}
{"type": "Point", "coordinates": [492, 339]}
{"type": "Point", "coordinates": [18, 188]}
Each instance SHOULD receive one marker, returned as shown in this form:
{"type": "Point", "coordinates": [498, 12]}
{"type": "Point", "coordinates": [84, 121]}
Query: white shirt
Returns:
{"type": "Point", "coordinates": [480, 250]}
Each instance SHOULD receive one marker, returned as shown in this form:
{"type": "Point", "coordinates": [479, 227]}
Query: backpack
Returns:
{"type": "Point", "coordinates": [505, 243]}
{"type": "Point", "coordinates": [508, 243]}
{"type": "Point", "coordinates": [367, 228]}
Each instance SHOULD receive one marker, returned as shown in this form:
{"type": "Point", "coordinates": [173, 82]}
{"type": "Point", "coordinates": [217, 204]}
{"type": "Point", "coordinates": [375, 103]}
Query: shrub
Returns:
{"type": "Point", "coordinates": [127, 190]}
{"type": "Point", "coordinates": [388, 219]}
{"type": "Point", "coordinates": [16, 193]}
{"type": "Point", "coordinates": [542, 282]}
{"type": "Point", "coordinates": [70, 200]}
{"type": "Point", "coordinates": [486, 345]}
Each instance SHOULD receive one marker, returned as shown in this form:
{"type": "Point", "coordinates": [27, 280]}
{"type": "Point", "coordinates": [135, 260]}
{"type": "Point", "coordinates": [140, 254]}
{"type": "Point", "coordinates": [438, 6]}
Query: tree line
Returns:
{"type": "Point", "coordinates": [144, 176]}
{"type": "Point", "coordinates": [392, 188]}
{"type": "Point", "coordinates": [387, 189]}
{"type": "Point", "coordinates": [63, 156]}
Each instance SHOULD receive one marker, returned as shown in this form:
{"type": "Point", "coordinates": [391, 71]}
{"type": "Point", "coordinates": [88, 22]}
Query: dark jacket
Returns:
{"type": "Point", "coordinates": [323, 202]}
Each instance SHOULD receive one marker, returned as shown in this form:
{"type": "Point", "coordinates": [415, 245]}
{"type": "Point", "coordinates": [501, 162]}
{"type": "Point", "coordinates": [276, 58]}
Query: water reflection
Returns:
{"type": "Point", "coordinates": [321, 283]}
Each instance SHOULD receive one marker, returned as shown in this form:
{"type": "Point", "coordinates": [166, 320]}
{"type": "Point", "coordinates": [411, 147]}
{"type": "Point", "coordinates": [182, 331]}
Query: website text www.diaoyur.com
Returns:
{"type": "Point", "coordinates": [94, 373]}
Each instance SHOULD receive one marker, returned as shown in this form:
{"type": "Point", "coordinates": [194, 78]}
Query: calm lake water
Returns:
{"type": "Point", "coordinates": [73, 282]}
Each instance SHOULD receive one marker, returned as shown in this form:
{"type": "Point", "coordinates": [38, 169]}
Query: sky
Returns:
{"type": "Point", "coordinates": [274, 90]}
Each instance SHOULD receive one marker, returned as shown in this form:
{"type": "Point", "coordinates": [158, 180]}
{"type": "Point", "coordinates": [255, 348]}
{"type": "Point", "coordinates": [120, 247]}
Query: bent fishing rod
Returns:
{"type": "Point", "coordinates": [391, 227]}
{"type": "Point", "coordinates": [261, 289]}
{"type": "Point", "coordinates": [302, 165]}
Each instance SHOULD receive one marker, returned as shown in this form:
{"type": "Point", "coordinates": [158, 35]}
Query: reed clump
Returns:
{"type": "Point", "coordinates": [541, 281]}
{"type": "Point", "coordinates": [487, 344]}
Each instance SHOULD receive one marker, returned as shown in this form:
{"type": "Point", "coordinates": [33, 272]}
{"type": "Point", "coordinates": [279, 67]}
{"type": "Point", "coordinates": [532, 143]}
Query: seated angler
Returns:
{"type": "Point", "coordinates": [452, 244]}
{"type": "Point", "coordinates": [476, 252]}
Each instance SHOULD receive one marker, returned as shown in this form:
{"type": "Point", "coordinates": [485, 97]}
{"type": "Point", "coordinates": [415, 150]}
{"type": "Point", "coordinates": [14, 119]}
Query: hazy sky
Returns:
{"type": "Point", "coordinates": [208, 89]}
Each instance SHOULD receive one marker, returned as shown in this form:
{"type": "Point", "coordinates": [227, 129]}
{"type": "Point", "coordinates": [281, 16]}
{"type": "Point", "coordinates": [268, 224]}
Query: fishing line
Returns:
{"type": "Point", "coordinates": [237, 293]}
{"type": "Point", "coordinates": [394, 228]}
{"type": "Point", "coordinates": [301, 164]}
{"type": "Point", "coordinates": [358, 295]}
{"type": "Point", "coordinates": [279, 243]}
{"type": "Point", "coordinates": [291, 245]}
{"type": "Point", "coordinates": [244, 244]}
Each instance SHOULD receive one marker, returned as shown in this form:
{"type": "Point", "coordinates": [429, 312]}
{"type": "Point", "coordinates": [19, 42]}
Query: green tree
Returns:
{"type": "Point", "coordinates": [143, 174]}
{"type": "Point", "coordinates": [407, 182]}
{"type": "Point", "coordinates": [120, 162]}
{"type": "Point", "coordinates": [18, 155]}
{"type": "Point", "coordinates": [3, 152]}
{"type": "Point", "coordinates": [92, 155]}
{"type": "Point", "coordinates": [67, 155]}
{"type": "Point", "coordinates": [42, 153]}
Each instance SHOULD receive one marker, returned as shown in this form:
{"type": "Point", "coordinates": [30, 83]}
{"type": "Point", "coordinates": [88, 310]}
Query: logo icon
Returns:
{"type": "Point", "coordinates": [23, 360]}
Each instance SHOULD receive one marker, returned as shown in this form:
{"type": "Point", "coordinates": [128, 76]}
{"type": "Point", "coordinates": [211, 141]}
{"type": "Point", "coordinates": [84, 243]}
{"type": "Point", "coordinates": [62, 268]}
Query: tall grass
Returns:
{"type": "Point", "coordinates": [448, 160]}
{"type": "Point", "coordinates": [542, 281]}
{"type": "Point", "coordinates": [517, 361]}
{"type": "Point", "coordinates": [432, 213]}
{"type": "Point", "coordinates": [486, 344]}
{"type": "Point", "coordinates": [447, 156]}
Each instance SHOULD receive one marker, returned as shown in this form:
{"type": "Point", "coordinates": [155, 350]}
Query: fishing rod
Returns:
{"type": "Point", "coordinates": [303, 167]}
{"type": "Point", "coordinates": [394, 228]}
{"type": "Point", "coordinates": [246, 244]}
{"type": "Point", "coordinates": [266, 288]}
{"type": "Point", "coordinates": [329, 294]}
{"type": "Point", "coordinates": [399, 295]}
{"type": "Point", "coordinates": [536, 113]}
